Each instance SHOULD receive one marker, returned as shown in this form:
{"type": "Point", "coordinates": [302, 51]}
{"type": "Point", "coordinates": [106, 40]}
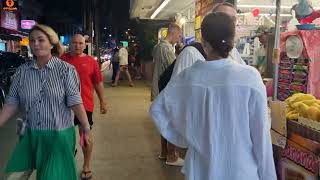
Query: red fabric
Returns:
{"type": "Point", "coordinates": [314, 79]}
{"type": "Point", "coordinates": [89, 74]}
{"type": "Point", "coordinates": [311, 18]}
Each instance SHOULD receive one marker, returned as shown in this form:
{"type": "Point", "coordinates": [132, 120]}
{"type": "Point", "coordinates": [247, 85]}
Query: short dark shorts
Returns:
{"type": "Point", "coordinates": [89, 115]}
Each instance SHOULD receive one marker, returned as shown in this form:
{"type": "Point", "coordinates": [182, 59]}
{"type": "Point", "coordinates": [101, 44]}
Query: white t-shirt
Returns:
{"type": "Point", "coordinates": [190, 55]}
{"type": "Point", "coordinates": [123, 56]}
{"type": "Point", "coordinates": [186, 58]}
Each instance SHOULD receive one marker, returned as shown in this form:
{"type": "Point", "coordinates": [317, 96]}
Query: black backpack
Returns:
{"type": "Point", "coordinates": [166, 76]}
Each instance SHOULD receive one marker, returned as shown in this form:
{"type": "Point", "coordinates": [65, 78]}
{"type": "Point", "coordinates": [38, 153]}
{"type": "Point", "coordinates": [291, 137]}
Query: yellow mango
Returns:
{"type": "Point", "coordinates": [293, 116]}
{"type": "Point", "coordinates": [302, 109]}
{"type": "Point", "coordinates": [309, 102]}
{"type": "Point", "coordinates": [316, 105]}
{"type": "Point", "coordinates": [313, 113]}
{"type": "Point", "coordinates": [305, 97]}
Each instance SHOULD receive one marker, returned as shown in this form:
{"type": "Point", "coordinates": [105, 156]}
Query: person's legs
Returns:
{"type": "Point", "coordinates": [87, 152]}
{"type": "Point", "coordinates": [117, 78]}
{"type": "Point", "coordinates": [115, 68]}
{"type": "Point", "coordinates": [114, 71]}
{"type": "Point", "coordinates": [129, 77]}
{"type": "Point", "coordinates": [164, 149]}
{"type": "Point", "coordinates": [172, 155]}
{"type": "Point", "coordinates": [138, 70]}
{"type": "Point", "coordinates": [87, 156]}
{"type": "Point", "coordinates": [169, 153]}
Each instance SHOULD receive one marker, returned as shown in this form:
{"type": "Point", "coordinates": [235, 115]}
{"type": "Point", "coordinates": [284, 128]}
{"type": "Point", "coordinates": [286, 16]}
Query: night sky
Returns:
{"type": "Point", "coordinates": [115, 13]}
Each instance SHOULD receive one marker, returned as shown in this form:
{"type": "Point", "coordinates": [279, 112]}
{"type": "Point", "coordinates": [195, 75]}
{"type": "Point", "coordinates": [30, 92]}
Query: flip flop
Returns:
{"type": "Point", "coordinates": [84, 175]}
{"type": "Point", "coordinates": [179, 162]}
{"type": "Point", "coordinates": [162, 157]}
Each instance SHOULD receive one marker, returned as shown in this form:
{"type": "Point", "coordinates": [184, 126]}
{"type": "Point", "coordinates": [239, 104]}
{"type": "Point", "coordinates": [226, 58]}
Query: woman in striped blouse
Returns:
{"type": "Point", "coordinates": [46, 91]}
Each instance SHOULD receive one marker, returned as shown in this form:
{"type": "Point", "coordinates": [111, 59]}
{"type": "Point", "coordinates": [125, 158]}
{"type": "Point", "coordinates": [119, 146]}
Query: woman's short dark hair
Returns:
{"type": "Point", "coordinates": [218, 29]}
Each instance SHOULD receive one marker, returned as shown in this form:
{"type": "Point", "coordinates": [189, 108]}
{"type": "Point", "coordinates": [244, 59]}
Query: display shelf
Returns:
{"type": "Point", "coordinates": [304, 131]}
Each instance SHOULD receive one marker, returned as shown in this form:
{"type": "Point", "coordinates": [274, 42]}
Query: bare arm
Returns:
{"type": "Point", "coordinates": [80, 113]}
{"type": "Point", "coordinates": [7, 112]}
{"type": "Point", "coordinates": [99, 90]}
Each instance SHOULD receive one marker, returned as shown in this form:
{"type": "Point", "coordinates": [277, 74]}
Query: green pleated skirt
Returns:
{"type": "Point", "coordinates": [50, 152]}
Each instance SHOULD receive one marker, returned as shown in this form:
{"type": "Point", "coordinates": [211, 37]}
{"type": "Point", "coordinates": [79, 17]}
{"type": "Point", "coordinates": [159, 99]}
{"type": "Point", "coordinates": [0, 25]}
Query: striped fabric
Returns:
{"type": "Point", "coordinates": [46, 95]}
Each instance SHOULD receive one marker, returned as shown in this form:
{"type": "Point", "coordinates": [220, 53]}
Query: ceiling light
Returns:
{"type": "Point", "coordinates": [157, 11]}
{"type": "Point", "coordinates": [282, 15]}
{"type": "Point", "coordinates": [183, 21]}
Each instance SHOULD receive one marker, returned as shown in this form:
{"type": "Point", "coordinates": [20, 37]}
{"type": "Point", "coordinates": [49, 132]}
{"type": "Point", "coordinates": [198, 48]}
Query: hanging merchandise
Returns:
{"type": "Point", "coordinates": [294, 47]}
{"type": "Point", "coordinates": [305, 12]}
{"type": "Point", "coordinates": [299, 73]}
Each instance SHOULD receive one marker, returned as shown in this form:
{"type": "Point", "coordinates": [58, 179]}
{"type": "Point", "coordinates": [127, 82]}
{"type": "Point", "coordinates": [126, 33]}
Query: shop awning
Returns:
{"type": "Point", "coordinates": [9, 34]}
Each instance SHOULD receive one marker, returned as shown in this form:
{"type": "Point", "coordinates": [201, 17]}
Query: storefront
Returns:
{"type": "Point", "coordinates": [295, 118]}
{"type": "Point", "coordinates": [10, 36]}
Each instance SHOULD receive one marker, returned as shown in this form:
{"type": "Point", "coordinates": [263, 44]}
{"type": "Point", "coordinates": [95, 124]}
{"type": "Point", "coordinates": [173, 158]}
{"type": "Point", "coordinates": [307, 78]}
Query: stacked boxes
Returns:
{"type": "Point", "coordinates": [293, 76]}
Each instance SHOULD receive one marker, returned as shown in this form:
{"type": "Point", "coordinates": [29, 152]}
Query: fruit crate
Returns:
{"type": "Point", "coordinates": [303, 130]}
{"type": "Point", "coordinates": [309, 123]}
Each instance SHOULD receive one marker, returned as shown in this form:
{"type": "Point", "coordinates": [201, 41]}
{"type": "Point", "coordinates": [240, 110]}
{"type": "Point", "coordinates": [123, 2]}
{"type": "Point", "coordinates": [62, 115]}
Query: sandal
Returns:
{"type": "Point", "coordinates": [85, 175]}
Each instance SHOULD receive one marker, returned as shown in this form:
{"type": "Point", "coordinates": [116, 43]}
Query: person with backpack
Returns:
{"type": "Point", "coordinates": [187, 57]}
{"type": "Point", "coordinates": [218, 110]}
{"type": "Point", "coordinates": [163, 56]}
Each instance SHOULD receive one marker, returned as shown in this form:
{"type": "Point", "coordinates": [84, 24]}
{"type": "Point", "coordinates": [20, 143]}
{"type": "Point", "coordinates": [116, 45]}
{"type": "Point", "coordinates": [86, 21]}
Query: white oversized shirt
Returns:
{"type": "Point", "coordinates": [218, 110]}
{"type": "Point", "coordinates": [236, 57]}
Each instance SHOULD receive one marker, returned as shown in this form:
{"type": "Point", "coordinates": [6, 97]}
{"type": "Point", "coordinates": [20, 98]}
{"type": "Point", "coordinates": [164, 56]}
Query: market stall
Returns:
{"type": "Point", "coordinates": [296, 114]}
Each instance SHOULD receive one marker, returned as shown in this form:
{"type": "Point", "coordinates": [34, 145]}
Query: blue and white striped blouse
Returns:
{"type": "Point", "coordinates": [46, 95]}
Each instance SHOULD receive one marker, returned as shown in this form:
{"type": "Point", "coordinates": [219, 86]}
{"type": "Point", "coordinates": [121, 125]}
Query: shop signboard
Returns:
{"type": "Point", "coordinates": [27, 24]}
{"type": "Point", "coordinates": [248, 19]}
{"type": "Point", "coordinates": [9, 5]}
{"type": "Point", "coordinates": [9, 20]}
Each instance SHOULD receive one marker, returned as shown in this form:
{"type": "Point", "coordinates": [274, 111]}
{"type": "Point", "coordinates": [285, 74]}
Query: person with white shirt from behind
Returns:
{"type": "Point", "coordinates": [188, 56]}
{"type": "Point", "coordinates": [229, 9]}
{"type": "Point", "coordinates": [124, 66]}
{"type": "Point", "coordinates": [218, 110]}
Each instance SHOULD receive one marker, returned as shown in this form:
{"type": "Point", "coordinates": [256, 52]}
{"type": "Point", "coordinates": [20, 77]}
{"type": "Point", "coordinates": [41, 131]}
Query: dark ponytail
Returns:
{"type": "Point", "coordinates": [218, 29]}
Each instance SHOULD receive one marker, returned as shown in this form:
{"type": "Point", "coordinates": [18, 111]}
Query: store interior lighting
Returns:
{"type": "Point", "coordinates": [183, 21]}
{"type": "Point", "coordinates": [261, 6]}
{"type": "Point", "coordinates": [157, 11]}
{"type": "Point", "coordinates": [282, 15]}
{"type": "Point", "coordinates": [265, 6]}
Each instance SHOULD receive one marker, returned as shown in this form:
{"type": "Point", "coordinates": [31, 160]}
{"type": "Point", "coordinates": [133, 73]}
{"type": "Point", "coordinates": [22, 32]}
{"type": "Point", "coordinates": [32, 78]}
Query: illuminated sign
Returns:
{"type": "Point", "coordinates": [24, 41]}
{"type": "Point", "coordinates": [9, 5]}
{"type": "Point", "coordinates": [9, 20]}
{"type": "Point", "coordinates": [27, 24]}
{"type": "Point", "coordinates": [125, 43]}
